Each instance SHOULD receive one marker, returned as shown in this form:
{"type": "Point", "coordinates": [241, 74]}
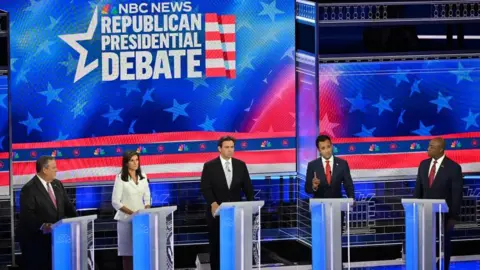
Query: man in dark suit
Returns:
{"type": "Point", "coordinates": [326, 174]}
{"type": "Point", "coordinates": [43, 201]}
{"type": "Point", "coordinates": [223, 180]}
{"type": "Point", "coordinates": [441, 178]}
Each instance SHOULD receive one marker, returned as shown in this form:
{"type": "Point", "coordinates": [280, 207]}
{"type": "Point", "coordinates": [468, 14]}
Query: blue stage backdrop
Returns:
{"type": "Point", "coordinates": [4, 145]}
{"type": "Point", "coordinates": [92, 79]}
{"type": "Point", "coordinates": [382, 115]}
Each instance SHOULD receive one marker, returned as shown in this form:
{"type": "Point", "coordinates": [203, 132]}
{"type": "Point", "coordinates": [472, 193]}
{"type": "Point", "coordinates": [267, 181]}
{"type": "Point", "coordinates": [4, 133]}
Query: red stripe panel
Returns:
{"type": "Point", "coordinates": [215, 72]}
{"type": "Point", "coordinates": [260, 157]}
{"type": "Point", "coordinates": [406, 138]}
{"type": "Point", "coordinates": [211, 17]}
{"type": "Point", "coordinates": [231, 73]}
{"type": "Point", "coordinates": [212, 36]}
{"type": "Point", "coordinates": [4, 155]}
{"type": "Point", "coordinates": [409, 160]}
{"type": "Point", "coordinates": [152, 138]}
{"type": "Point", "coordinates": [214, 54]}
{"type": "Point", "coordinates": [226, 19]}
{"type": "Point", "coordinates": [4, 179]}
{"type": "Point", "coordinates": [227, 37]}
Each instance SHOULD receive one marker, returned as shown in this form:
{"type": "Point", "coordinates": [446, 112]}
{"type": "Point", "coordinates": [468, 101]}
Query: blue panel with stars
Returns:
{"type": "Point", "coordinates": [59, 92]}
{"type": "Point", "coordinates": [410, 98]}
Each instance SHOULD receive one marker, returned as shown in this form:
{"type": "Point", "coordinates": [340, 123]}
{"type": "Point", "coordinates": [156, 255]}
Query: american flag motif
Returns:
{"type": "Point", "coordinates": [220, 45]}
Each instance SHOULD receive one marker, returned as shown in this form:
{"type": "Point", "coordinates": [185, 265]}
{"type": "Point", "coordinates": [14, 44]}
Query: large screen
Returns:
{"type": "Point", "coordinates": [4, 139]}
{"type": "Point", "coordinates": [91, 79]}
{"type": "Point", "coordinates": [382, 115]}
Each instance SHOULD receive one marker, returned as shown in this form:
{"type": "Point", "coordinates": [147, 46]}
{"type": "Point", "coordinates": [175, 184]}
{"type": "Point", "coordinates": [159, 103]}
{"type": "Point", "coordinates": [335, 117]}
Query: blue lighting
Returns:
{"type": "Point", "coordinates": [62, 249]}
{"type": "Point", "coordinates": [141, 241]}
{"type": "Point", "coordinates": [227, 239]}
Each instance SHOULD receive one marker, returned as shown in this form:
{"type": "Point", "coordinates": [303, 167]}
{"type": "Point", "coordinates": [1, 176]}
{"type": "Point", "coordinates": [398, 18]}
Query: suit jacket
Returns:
{"type": "Point", "coordinates": [447, 185]}
{"type": "Point", "coordinates": [37, 208]}
{"type": "Point", "coordinates": [340, 174]}
{"type": "Point", "coordinates": [214, 187]}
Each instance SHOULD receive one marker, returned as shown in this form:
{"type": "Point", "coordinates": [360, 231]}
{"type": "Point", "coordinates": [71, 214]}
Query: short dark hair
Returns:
{"type": "Point", "coordinates": [322, 138]}
{"type": "Point", "coordinates": [42, 162]}
{"type": "Point", "coordinates": [225, 139]}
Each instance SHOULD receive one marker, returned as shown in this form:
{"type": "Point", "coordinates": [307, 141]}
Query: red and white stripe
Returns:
{"type": "Point", "coordinates": [220, 53]}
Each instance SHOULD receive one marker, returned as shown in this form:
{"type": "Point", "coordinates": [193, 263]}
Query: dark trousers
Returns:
{"type": "Point", "coordinates": [36, 253]}
{"type": "Point", "coordinates": [214, 241]}
{"type": "Point", "coordinates": [447, 245]}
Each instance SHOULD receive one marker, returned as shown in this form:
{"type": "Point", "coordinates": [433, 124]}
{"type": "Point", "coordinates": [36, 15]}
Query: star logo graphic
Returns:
{"type": "Point", "coordinates": [383, 105]}
{"type": "Point", "coordinates": [423, 130]}
{"type": "Point", "coordinates": [471, 119]}
{"type": "Point", "coordinates": [72, 39]}
{"type": "Point", "coordinates": [32, 123]}
{"type": "Point", "coordinates": [327, 127]}
{"type": "Point", "coordinates": [441, 102]}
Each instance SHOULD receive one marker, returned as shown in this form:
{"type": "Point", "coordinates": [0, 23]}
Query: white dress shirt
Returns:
{"type": "Point", "coordinates": [439, 163]}
{"type": "Point", "coordinates": [44, 183]}
{"type": "Point", "coordinates": [229, 180]}
{"type": "Point", "coordinates": [325, 164]}
{"type": "Point", "coordinates": [134, 197]}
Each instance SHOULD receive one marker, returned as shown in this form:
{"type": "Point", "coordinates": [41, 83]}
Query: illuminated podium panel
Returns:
{"type": "Point", "coordinates": [420, 230]}
{"type": "Point", "coordinates": [153, 238]}
{"type": "Point", "coordinates": [327, 232]}
{"type": "Point", "coordinates": [73, 243]}
{"type": "Point", "coordinates": [239, 235]}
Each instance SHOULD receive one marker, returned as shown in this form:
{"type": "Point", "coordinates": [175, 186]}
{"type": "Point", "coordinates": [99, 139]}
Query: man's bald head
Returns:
{"type": "Point", "coordinates": [436, 148]}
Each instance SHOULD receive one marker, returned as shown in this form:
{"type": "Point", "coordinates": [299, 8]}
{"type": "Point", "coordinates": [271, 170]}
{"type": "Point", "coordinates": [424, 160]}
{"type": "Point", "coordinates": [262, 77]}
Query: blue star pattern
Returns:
{"type": "Point", "coordinates": [32, 123]}
{"type": "Point", "coordinates": [113, 115]}
{"type": "Point", "coordinates": [147, 96]}
{"type": "Point", "coordinates": [402, 99]}
{"type": "Point", "coordinates": [358, 103]}
{"type": "Point", "coordinates": [225, 94]}
{"type": "Point", "coordinates": [1, 142]}
{"type": "Point", "coordinates": [383, 105]}
{"type": "Point", "coordinates": [177, 109]}
{"type": "Point", "coordinates": [270, 10]}
{"type": "Point", "coordinates": [415, 87]}
{"type": "Point", "coordinates": [471, 120]}
{"type": "Point", "coordinates": [61, 136]}
{"type": "Point", "coordinates": [132, 125]}
{"type": "Point", "coordinates": [423, 130]}
{"type": "Point", "coordinates": [131, 86]}
{"type": "Point", "coordinates": [442, 102]}
{"type": "Point", "coordinates": [208, 124]}
{"type": "Point", "coordinates": [400, 76]}
{"type": "Point", "coordinates": [366, 132]}
{"type": "Point", "coordinates": [400, 118]}
{"type": "Point", "coordinates": [78, 109]}
{"type": "Point", "coordinates": [2, 100]}
{"type": "Point", "coordinates": [462, 74]}
{"type": "Point", "coordinates": [52, 94]}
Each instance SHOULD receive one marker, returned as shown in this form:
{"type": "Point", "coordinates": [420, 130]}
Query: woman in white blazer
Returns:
{"type": "Point", "coordinates": [131, 193]}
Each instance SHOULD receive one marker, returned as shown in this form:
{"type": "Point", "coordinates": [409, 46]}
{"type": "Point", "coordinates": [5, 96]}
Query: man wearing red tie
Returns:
{"type": "Point", "coordinates": [326, 174]}
{"type": "Point", "coordinates": [441, 178]}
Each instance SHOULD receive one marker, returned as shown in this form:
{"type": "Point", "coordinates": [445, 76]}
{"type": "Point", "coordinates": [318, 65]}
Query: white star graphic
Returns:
{"type": "Point", "coordinates": [72, 40]}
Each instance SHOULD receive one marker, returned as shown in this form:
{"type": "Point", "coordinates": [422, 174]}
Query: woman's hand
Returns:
{"type": "Point", "coordinates": [147, 206]}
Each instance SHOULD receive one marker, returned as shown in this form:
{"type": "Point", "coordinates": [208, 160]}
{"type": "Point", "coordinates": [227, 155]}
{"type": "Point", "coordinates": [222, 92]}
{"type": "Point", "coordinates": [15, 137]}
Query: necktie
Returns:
{"type": "Point", "coordinates": [431, 176]}
{"type": "Point", "coordinates": [228, 173]}
{"type": "Point", "coordinates": [328, 172]}
{"type": "Point", "coordinates": [50, 193]}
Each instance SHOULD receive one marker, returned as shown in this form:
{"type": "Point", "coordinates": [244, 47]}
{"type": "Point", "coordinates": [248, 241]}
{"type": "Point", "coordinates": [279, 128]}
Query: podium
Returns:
{"type": "Point", "coordinates": [420, 229]}
{"type": "Point", "coordinates": [327, 232]}
{"type": "Point", "coordinates": [152, 232]}
{"type": "Point", "coordinates": [239, 235]}
{"type": "Point", "coordinates": [73, 243]}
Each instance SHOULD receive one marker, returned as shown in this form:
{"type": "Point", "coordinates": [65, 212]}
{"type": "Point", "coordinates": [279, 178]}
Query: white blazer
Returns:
{"type": "Point", "coordinates": [134, 197]}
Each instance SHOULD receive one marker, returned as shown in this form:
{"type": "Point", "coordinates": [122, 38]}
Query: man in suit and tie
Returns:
{"type": "Point", "coordinates": [441, 178]}
{"type": "Point", "coordinates": [43, 201]}
{"type": "Point", "coordinates": [223, 180]}
{"type": "Point", "coordinates": [326, 174]}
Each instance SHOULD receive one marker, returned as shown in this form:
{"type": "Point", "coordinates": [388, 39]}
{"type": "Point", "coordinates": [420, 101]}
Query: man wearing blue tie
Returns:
{"type": "Point", "coordinates": [441, 178]}
{"type": "Point", "coordinates": [326, 174]}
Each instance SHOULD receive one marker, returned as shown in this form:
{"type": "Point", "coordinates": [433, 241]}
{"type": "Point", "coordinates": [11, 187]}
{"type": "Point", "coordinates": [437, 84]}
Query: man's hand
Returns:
{"type": "Point", "coordinates": [214, 208]}
{"type": "Point", "coordinates": [47, 228]}
{"type": "Point", "coordinates": [315, 181]}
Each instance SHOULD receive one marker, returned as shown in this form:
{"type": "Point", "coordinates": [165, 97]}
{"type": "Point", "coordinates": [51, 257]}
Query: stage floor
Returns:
{"type": "Point", "coordinates": [458, 263]}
